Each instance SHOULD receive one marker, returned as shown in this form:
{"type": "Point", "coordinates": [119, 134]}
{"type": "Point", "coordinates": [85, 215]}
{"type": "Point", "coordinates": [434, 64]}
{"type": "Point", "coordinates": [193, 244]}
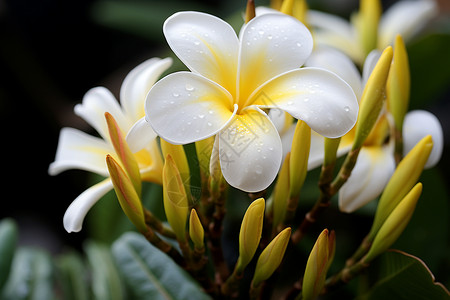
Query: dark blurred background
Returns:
{"type": "Point", "coordinates": [52, 52]}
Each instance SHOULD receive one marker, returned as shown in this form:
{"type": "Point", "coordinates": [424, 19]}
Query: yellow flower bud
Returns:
{"type": "Point", "coordinates": [271, 257]}
{"type": "Point", "coordinates": [250, 11]}
{"type": "Point", "coordinates": [127, 158]}
{"type": "Point", "coordinates": [331, 146]}
{"type": "Point", "coordinates": [372, 98]}
{"type": "Point", "coordinates": [281, 193]}
{"type": "Point", "coordinates": [204, 149]}
{"type": "Point", "coordinates": [298, 165]}
{"type": "Point", "coordinates": [179, 157]}
{"type": "Point", "coordinates": [175, 199]}
{"type": "Point", "coordinates": [395, 223]}
{"type": "Point", "coordinates": [404, 177]}
{"type": "Point", "coordinates": [398, 84]}
{"type": "Point", "coordinates": [318, 263]}
{"type": "Point", "coordinates": [128, 198]}
{"type": "Point", "coordinates": [367, 24]}
{"type": "Point", "coordinates": [250, 233]}
{"type": "Point", "coordinates": [196, 231]}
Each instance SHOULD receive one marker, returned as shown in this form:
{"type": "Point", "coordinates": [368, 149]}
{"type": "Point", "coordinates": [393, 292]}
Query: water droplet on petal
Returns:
{"type": "Point", "coordinates": [306, 100]}
{"type": "Point", "coordinates": [258, 169]}
{"type": "Point", "coordinates": [209, 124]}
{"type": "Point", "coordinates": [175, 95]}
{"type": "Point", "coordinates": [196, 43]}
{"type": "Point", "coordinates": [189, 87]}
{"type": "Point", "coordinates": [346, 108]}
{"type": "Point", "coordinates": [269, 37]}
{"type": "Point", "coordinates": [261, 32]}
{"type": "Point", "coordinates": [201, 116]}
{"type": "Point", "coordinates": [299, 45]}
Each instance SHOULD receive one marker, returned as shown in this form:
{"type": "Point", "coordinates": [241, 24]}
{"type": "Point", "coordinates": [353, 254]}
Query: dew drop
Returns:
{"type": "Point", "coordinates": [261, 32]}
{"type": "Point", "coordinates": [299, 45]}
{"type": "Point", "coordinates": [189, 87]}
{"type": "Point", "coordinates": [196, 43]}
{"type": "Point", "coordinates": [269, 37]}
{"type": "Point", "coordinates": [201, 116]}
{"type": "Point", "coordinates": [258, 169]}
{"type": "Point", "coordinates": [209, 124]}
{"type": "Point", "coordinates": [175, 95]}
{"type": "Point", "coordinates": [210, 112]}
{"type": "Point", "coordinates": [346, 108]}
{"type": "Point", "coordinates": [306, 100]}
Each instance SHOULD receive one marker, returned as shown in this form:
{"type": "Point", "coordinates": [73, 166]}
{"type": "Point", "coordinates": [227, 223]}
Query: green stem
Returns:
{"type": "Point", "coordinates": [231, 287]}
{"type": "Point", "coordinates": [344, 276]}
{"type": "Point", "coordinates": [327, 190]}
{"type": "Point", "coordinates": [163, 246]}
{"type": "Point", "coordinates": [157, 225]}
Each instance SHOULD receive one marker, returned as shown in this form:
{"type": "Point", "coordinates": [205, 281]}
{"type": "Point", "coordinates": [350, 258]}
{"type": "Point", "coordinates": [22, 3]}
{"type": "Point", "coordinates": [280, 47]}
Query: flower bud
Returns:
{"type": "Point", "coordinates": [271, 257]}
{"type": "Point", "coordinates": [404, 177]}
{"type": "Point", "coordinates": [281, 193]}
{"type": "Point", "coordinates": [128, 198]}
{"type": "Point", "coordinates": [250, 233]}
{"type": "Point", "coordinates": [175, 199]}
{"type": "Point", "coordinates": [372, 98]}
{"type": "Point", "coordinates": [179, 158]}
{"type": "Point", "coordinates": [196, 231]}
{"type": "Point", "coordinates": [367, 24]}
{"type": "Point", "coordinates": [318, 264]}
{"type": "Point", "coordinates": [398, 84]}
{"type": "Point", "coordinates": [394, 225]}
{"type": "Point", "coordinates": [123, 151]}
{"type": "Point", "coordinates": [298, 165]}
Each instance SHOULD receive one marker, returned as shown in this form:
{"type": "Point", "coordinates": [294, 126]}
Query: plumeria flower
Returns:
{"type": "Point", "coordinates": [376, 162]}
{"type": "Point", "coordinates": [404, 17]}
{"type": "Point", "coordinates": [78, 150]}
{"type": "Point", "coordinates": [233, 80]}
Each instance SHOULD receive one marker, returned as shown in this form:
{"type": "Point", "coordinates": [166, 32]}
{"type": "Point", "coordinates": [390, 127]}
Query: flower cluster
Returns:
{"type": "Point", "coordinates": [295, 89]}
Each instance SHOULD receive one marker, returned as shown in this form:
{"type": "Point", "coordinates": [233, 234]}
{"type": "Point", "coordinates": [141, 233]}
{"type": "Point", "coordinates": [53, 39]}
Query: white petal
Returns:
{"type": "Point", "coordinates": [369, 64]}
{"type": "Point", "coordinates": [334, 31]}
{"type": "Point", "coordinates": [317, 96]}
{"type": "Point", "coordinates": [405, 18]}
{"type": "Point", "coordinates": [418, 124]}
{"type": "Point", "coordinates": [250, 151]}
{"type": "Point", "coordinates": [373, 169]}
{"type": "Point", "coordinates": [138, 82]}
{"type": "Point", "coordinates": [337, 62]}
{"type": "Point", "coordinates": [206, 45]}
{"type": "Point", "coordinates": [95, 103]}
{"type": "Point", "coordinates": [186, 107]}
{"type": "Point", "coordinates": [78, 209]}
{"type": "Point", "coordinates": [270, 45]}
{"type": "Point", "coordinates": [140, 135]}
{"type": "Point", "coordinates": [78, 150]}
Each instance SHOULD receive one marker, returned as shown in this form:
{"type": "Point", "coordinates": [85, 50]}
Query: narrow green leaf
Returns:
{"type": "Point", "coordinates": [106, 282]}
{"type": "Point", "coordinates": [399, 275]}
{"type": "Point", "coordinates": [151, 274]}
{"type": "Point", "coordinates": [72, 276]}
{"type": "Point", "coordinates": [8, 243]}
{"type": "Point", "coordinates": [31, 276]}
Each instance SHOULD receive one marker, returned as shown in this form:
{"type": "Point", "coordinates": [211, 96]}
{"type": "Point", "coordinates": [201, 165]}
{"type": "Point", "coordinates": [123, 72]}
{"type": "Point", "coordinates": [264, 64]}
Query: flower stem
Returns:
{"type": "Point", "coordinates": [344, 276]}
{"type": "Point", "coordinates": [164, 246]}
{"type": "Point", "coordinates": [157, 225]}
{"type": "Point", "coordinates": [328, 189]}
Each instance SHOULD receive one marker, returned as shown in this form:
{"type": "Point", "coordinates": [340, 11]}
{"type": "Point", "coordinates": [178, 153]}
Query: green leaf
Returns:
{"type": "Point", "coordinates": [399, 275]}
{"type": "Point", "coordinates": [72, 276]}
{"type": "Point", "coordinates": [151, 274]}
{"type": "Point", "coordinates": [8, 243]}
{"type": "Point", "coordinates": [31, 276]}
{"type": "Point", "coordinates": [106, 282]}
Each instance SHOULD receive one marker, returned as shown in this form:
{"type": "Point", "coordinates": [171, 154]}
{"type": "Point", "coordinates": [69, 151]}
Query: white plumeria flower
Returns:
{"type": "Point", "coordinates": [78, 150]}
{"type": "Point", "coordinates": [404, 17]}
{"type": "Point", "coordinates": [376, 162]}
{"type": "Point", "coordinates": [232, 78]}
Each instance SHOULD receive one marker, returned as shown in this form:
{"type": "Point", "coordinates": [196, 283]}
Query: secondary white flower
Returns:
{"type": "Point", "coordinates": [78, 150]}
{"type": "Point", "coordinates": [404, 17]}
{"type": "Point", "coordinates": [232, 79]}
{"type": "Point", "coordinates": [376, 162]}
